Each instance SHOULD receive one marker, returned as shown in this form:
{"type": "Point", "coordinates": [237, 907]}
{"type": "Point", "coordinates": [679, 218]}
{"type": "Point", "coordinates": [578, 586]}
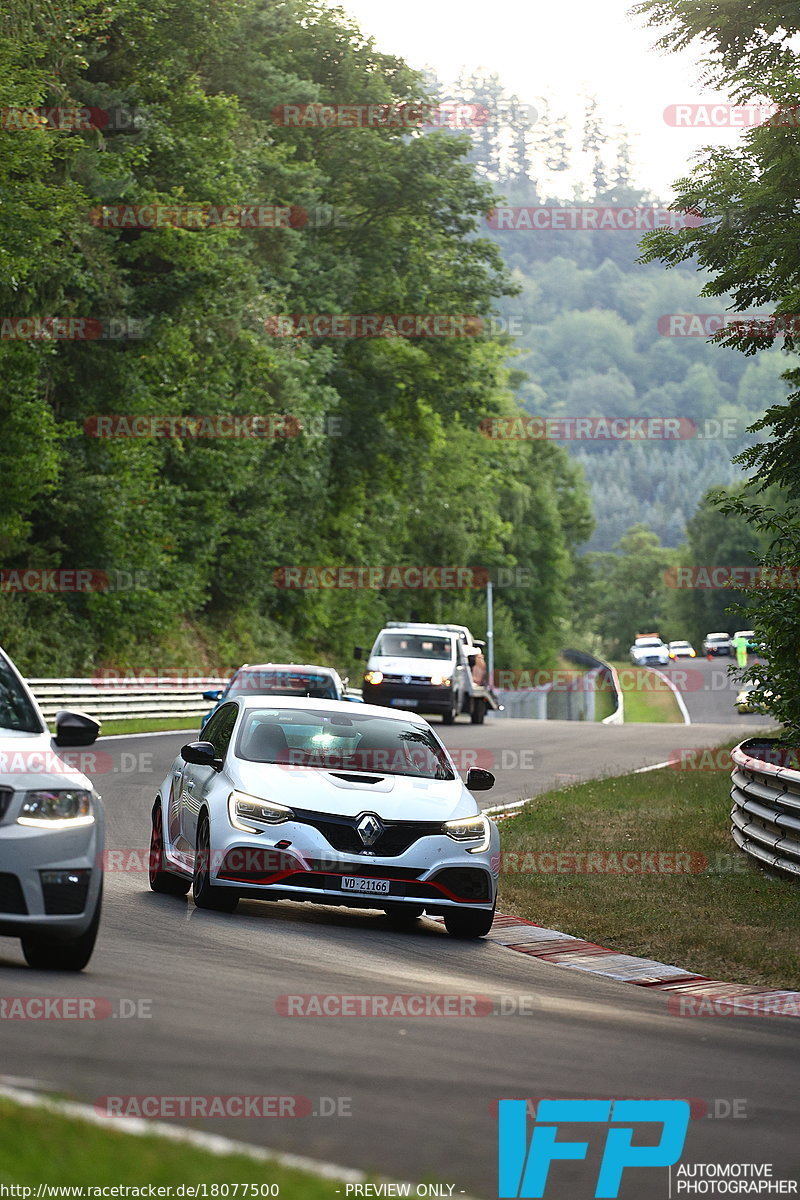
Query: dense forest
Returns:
{"type": "Point", "coordinates": [385, 465]}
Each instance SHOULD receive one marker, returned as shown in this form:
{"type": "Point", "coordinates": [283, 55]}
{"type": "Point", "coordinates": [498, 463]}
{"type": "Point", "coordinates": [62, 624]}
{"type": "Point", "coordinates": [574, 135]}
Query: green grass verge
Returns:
{"type": "Point", "coordinates": [731, 922]}
{"type": "Point", "coordinates": [150, 724]}
{"type": "Point", "coordinates": [647, 698]}
{"type": "Point", "coordinates": [40, 1146]}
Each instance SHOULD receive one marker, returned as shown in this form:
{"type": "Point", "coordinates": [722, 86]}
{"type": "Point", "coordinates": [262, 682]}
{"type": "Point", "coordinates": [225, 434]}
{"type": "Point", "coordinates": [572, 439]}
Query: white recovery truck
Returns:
{"type": "Point", "coordinates": [429, 668]}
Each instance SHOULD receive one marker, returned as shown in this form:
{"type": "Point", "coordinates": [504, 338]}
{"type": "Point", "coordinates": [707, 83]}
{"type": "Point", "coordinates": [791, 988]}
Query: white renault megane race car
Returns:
{"type": "Point", "coordinates": [323, 801]}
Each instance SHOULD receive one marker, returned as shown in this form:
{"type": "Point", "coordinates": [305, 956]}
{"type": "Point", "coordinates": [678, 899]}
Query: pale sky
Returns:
{"type": "Point", "coordinates": [561, 51]}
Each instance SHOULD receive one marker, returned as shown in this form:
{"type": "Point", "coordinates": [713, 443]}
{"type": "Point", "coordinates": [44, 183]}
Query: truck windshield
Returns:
{"type": "Point", "coordinates": [414, 645]}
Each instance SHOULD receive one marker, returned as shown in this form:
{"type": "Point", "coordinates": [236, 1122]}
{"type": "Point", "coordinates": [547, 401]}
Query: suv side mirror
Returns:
{"type": "Point", "coordinates": [75, 729]}
{"type": "Point", "coordinates": [479, 780]}
{"type": "Point", "coordinates": [214, 694]}
{"type": "Point", "coordinates": [202, 754]}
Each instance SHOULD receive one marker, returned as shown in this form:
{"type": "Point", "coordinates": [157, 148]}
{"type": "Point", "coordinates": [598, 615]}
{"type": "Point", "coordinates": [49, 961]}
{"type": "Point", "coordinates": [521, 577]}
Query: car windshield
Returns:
{"type": "Point", "coordinates": [414, 645]}
{"type": "Point", "coordinates": [648, 642]}
{"type": "Point", "coordinates": [16, 710]}
{"type": "Point", "coordinates": [718, 637]}
{"type": "Point", "coordinates": [282, 683]}
{"type": "Point", "coordinates": [334, 742]}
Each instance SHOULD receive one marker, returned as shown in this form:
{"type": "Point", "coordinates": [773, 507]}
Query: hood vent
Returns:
{"type": "Point", "coordinates": [358, 778]}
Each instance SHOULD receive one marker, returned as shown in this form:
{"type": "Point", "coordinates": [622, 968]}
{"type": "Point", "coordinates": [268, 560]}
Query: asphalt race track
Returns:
{"type": "Point", "coordinates": [205, 991]}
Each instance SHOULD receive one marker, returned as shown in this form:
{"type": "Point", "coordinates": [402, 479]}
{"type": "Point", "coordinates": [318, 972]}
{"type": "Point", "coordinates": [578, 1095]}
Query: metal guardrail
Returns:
{"type": "Point", "coordinates": [606, 671]}
{"type": "Point", "coordinates": [567, 699]}
{"type": "Point", "coordinates": [121, 698]}
{"type": "Point", "coordinates": [766, 804]}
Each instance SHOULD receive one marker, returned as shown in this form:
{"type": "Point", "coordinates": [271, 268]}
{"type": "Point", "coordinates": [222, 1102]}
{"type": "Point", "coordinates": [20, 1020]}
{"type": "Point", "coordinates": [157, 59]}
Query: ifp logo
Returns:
{"type": "Point", "coordinates": [524, 1168]}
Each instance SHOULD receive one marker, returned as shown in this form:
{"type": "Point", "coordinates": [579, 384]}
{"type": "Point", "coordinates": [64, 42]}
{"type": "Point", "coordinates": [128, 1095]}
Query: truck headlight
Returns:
{"type": "Point", "coordinates": [374, 677]}
{"type": "Point", "coordinates": [470, 829]}
{"type": "Point", "coordinates": [441, 680]}
{"type": "Point", "coordinates": [56, 809]}
{"type": "Point", "coordinates": [243, 809]}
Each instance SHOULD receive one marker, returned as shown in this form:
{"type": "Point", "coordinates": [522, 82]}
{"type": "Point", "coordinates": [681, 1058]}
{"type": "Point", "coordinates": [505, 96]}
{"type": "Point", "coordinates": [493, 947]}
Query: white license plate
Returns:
{"type": "Point", "coordinates": [358, 883]}
{"type": "Point", "coordinates": [405, 703]}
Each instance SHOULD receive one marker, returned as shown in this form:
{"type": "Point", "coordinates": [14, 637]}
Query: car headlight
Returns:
{"type": "Point", "coordinates": [441, 680]}
{"type": "Point", "coordinates": [470, 829]}
{"type": "Point", "coordinates": [374, 677]}
{"type": "Point", "coordinates": [243, 808]}
{"type": "Point", "coordinates": [56, 809]}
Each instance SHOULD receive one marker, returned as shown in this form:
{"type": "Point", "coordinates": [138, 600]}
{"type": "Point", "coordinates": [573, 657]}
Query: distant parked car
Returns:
{"type": "Point", "coordinates": [746, 702]}
{"type": "Point", "coordinates": [649, 650]}
{"type": "Point", "coordinates": [281, 679]}
{"type": "Point", "coordinates": [717, 644]}
{"type": "Point", "coordinates": [681, 650]}
{"type": "Point", "coordinates": [749, 634]}
{"type": "Point", "coordinates": [51, 832]}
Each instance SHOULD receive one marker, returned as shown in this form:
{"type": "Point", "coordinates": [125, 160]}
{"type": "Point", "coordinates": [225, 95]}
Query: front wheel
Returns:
{"type": "Point", "coordinates": [403, 916]}
{"type": "Point", "coordinates": [162, 881]}
{"type": "Point", "coordinates": [204, 894]}
{"type": "Point", "coordinates": [449, 718]}
{"type": "Point", "coordinates": [48, 954]}
{"type": "Point", "coordinates": [469, 922]}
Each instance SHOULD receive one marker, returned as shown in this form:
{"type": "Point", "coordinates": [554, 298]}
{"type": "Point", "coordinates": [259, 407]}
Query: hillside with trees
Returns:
{"type": "Point", "coordinates": [386, 464]}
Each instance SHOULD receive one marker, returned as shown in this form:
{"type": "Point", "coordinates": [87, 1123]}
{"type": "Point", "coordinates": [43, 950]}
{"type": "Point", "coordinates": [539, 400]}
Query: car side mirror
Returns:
{"type": "Point", "coordinates": [479, 780]}
{"type": "Point", "coordinates": [358, 653]}
{"type": "Point", "coordinates": [75, 729]}
{"type": "Point", "coordinates": [214, 694]}
{"type": "Point", "coordinates": [202, 754]}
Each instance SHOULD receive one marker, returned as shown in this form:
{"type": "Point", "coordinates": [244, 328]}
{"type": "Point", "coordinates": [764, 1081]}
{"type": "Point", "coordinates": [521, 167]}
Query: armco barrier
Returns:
{"type": "Point", "coordinates": [606, 671]}
{"type": "Point", "coordinates": [573, 702]}
{"type": "Point", "coordinates": [766, 804]}
{"type": "Point", "coordinates": [121, 699]}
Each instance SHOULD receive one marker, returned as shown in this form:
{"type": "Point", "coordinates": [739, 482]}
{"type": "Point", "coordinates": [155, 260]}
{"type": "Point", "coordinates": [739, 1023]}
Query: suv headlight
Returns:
{"type": "Point", "coordinates": [243, 809]}
{"type": "Point", "coordinates": [374, 677]}
{"type": "Point", "coordinates": [441, 680]}
{"type": "Point", "coordinates": [56, 809]}
{"type": "Point", "coordinates": [470, 829]}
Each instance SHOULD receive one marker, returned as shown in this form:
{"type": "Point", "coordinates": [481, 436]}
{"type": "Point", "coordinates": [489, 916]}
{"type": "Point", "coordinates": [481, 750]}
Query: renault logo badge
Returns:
{"type": "Point", "coordinates": [369, 829]}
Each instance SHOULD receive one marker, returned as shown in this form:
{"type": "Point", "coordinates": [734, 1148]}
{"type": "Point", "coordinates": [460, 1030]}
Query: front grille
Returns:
{"type": "Point", "coordinates": [12, 899]}
{"type": "Point", "coordinates": [342, 834]}
{"type": "Point", "coordinates": [5, 799]}
{"type": "Point", "coordinates": [408, 679]}
{"type": "Point", "coordinates": [66, 899]}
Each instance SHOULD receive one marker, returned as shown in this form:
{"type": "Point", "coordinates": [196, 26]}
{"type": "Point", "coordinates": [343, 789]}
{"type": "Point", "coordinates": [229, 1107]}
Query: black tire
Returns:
{"type": "Point", "coordinates": [478, 711]}
{"type": "Point", "coordinates": [403, 916]}
{"type": "Point", "coordinates": [449, 718]}
{"type": "Point", "coordinates": [204, 894]}
{"type": "Point", "coordinates": [49, 954]}
{"type": "Point", "coordinates": [161, 880]}
{"type": "Point", "coordinates": [469, 922]}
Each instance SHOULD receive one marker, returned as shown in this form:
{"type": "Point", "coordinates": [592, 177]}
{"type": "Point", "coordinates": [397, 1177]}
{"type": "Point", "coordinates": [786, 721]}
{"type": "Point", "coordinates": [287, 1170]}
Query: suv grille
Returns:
{"type": "Point", "coordinates": [342, 834]}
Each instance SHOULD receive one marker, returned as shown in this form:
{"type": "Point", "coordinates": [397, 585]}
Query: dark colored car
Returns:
{"type": "Point", "coordinates": [281, 679]}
